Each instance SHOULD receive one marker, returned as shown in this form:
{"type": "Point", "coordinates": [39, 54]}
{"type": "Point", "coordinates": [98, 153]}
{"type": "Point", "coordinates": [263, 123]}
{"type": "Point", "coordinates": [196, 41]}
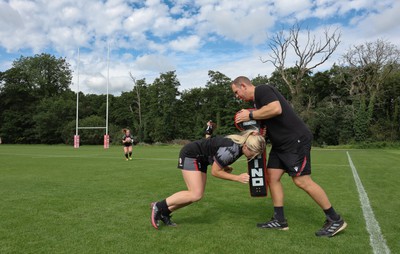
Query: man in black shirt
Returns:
{"type": "Point", "coordinates": [291, 145]}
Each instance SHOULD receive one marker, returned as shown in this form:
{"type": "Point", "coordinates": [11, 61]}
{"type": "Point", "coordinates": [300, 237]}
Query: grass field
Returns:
{"type": "Point", "coordinates": [57, 199]}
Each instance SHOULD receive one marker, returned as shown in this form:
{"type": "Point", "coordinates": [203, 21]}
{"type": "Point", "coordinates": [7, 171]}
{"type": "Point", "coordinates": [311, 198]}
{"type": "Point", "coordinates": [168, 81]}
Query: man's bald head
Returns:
{"type": "Point", "coordinates": [241, 80]}
{"type": "Point", "coordinates": [243, 88]}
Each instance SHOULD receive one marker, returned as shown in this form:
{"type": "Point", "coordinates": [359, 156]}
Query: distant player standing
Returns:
{"type": "Point", "coordinates": [127, 141]}
{"type": "Point", "coordinates": [211, 126]}
{"type": "Point", "coordinates": [290, 152]}
{"type": "Point", "coordinates": [194, 158]}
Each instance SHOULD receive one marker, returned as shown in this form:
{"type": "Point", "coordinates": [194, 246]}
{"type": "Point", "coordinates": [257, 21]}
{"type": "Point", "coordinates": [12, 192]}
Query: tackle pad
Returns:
{"type": "Point", "coordinates": [257, 167]}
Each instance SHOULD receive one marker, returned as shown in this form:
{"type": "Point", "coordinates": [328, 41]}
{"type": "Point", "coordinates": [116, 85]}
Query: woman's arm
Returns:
{"type": "Point", "coordinates": [218, 171]}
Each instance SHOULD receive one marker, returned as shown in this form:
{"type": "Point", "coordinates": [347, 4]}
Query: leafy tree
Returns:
{"type": "Point", "coordinates": [51, 114]}
{"type": "Point", "coordinates": [370, 65]}
{"type": "Point", "coordinates": [162, 114]}
{"type": "Point", "coordinates": [221, 103]}
{"type": "Point", "coordinates": [193, 114]}
{"type": "Point", "coordinates": [24, 85]}
{"type": "Point", "coordinates": [136, 106]}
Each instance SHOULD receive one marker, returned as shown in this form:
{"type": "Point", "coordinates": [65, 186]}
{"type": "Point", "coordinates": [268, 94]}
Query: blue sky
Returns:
{"type": "Point", "coordinates": [191, 37]}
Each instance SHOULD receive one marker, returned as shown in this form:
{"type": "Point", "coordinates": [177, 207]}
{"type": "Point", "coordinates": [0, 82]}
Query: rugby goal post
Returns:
{"type": "Point", "coordinates": [106, 140]}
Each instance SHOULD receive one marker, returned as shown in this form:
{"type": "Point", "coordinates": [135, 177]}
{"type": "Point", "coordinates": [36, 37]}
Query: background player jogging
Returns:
{"type": "Point", "coordinates": [219, 152]}
{"type": "Point", "coordinates": [291, 145]}
{"type": "Point", "coordinates": [127, 141]}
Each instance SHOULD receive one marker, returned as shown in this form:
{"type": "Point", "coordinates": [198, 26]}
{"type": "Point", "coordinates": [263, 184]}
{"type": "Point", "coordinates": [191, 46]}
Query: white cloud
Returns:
{"type": "Point", "coordinates": [288, 7]}
{"type": "Point", "coordinates": [383, 23]}
{"type": "Point", "coordinates": [154, 63]}
{"type": "Point", "coordinates": [192, 37]}
{"type": "Point", "coordinates": [9, 18]}
{"type": "Point", "coordinates": [185, 44]}
{"type": "Point", "coordinates": [245, 21]}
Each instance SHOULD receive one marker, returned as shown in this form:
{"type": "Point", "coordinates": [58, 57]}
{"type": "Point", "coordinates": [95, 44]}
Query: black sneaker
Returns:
{"type": "Point", "coordinates": [155, 215]}
{"type": "Point", "coordinates": [274, 224]}
{"type": "Point", "coordinates": [167, 221]}
{"type": "Point", "coordinates": [331, 228]}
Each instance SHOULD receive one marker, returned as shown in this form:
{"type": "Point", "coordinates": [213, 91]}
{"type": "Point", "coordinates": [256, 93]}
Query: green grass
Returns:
{"type": "Point", "coordinates": [57, 199]}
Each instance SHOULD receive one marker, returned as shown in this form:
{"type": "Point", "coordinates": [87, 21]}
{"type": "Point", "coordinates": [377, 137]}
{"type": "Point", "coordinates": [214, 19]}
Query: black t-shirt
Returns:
{"type": "Point", "coordinates": [124, 137]}
{"type": "Point", "coordinates": [219, 149]}
{"type": "Point", "coordinates": [209, 130]}
{"type": "Point", "coordinates": [286, 129]}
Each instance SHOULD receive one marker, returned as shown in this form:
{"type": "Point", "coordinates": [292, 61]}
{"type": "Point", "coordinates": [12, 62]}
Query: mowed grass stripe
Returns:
{"type": "Point", "coordinates": [92, 205]}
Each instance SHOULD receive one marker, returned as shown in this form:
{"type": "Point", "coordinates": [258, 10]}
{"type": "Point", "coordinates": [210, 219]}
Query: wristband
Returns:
{"type": "Point", "coordinates": [251, 115]}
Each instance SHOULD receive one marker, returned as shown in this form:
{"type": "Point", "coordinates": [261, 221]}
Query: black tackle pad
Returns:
{"type": "Point", "coordinates": [257, 168]}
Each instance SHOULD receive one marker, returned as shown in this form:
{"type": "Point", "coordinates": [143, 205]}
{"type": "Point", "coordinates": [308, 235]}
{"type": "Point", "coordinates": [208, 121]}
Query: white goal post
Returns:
{"type": "Point", "coordinates": [77, 127]}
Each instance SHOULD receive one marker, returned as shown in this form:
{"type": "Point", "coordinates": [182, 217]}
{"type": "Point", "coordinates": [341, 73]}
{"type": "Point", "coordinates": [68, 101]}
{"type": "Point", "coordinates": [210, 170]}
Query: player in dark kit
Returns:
{"type": "Point", "coordinates": [290, 152]}
{"type": "Point", "coordinates": [195, 157]}
{"type": "Point", "coordinates": [127, 141]}
{"type": "Point", "coordinates": [211, 126]}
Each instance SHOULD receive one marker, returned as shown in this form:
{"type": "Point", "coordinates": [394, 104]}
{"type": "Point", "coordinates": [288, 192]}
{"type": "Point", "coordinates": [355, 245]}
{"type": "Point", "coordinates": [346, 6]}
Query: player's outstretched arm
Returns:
{"type": "Point", "coordinates": [218, 171]}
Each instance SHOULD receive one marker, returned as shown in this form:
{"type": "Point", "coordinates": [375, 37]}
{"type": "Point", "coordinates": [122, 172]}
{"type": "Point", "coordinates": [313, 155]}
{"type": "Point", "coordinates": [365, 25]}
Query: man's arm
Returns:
{"type": "Point", "coordinates": [265, 112]}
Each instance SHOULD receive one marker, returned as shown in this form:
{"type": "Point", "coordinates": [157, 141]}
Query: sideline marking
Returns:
{"type": "Point", "coordinates": [376, 239]}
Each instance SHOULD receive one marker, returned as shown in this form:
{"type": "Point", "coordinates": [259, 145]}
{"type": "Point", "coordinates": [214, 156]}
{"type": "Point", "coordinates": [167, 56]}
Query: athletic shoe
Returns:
{"type": "Point", "coordinates": [274, 224]}
{"type": "Point", "coordinates": [155, 215]}
{"type": "Point", "coordinates": [130, 158]}
{"type": "Point", "coordinates": [127, 159]}
{"type": "Point", "coordinates": [331, 228]}
{"type": "Point", "coordinates": [167, 221]}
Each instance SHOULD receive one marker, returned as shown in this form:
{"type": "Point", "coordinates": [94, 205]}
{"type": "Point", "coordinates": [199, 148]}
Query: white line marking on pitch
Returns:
{"type": "Point", "coordinates": [376, 239]}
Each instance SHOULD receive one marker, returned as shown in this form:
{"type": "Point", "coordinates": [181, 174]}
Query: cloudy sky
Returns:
{"type": "Point", "coordinates": [152, 36]}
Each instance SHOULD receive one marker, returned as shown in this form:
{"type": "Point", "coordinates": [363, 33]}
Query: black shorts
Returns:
{"type": "Point", "coordinates": [296, 163]}
{"type": "Point", "coordinates": [187, 162]}
{"type": "Point", "coordinates": [128, 144]}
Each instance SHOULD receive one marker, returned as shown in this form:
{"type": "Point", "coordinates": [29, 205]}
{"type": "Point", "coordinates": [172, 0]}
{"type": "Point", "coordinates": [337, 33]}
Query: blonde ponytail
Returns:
{"type": "Point", "coordinates": [254, 141]}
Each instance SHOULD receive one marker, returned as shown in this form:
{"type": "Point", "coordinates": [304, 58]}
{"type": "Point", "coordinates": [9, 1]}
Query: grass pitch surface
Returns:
{"type": "Point", "coordinates": [57, 199]}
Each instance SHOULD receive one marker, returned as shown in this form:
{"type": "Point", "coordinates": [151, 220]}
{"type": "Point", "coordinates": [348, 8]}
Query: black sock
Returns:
{"type": "Point", "coordinates": [126, 155]}
{"type": "Point", "coordinates": [331, 214]}
{"type": "Point", "coordinates": [278, 213]}
{"type": "Point", "coordinates": [162, 205]}
{"type": "Point", "coordinates": [130, 154]}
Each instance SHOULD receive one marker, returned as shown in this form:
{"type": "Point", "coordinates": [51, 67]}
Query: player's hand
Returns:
{"type": "Point", "coordinates": [242, 116]}
{"type": "Point", "coordinates": [243, 178]}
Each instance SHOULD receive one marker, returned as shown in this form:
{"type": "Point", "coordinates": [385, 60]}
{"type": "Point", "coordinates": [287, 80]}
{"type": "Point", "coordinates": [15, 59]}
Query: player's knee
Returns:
{"type": "Point", "coordinates": [196, 196]}
{"type": "Point", "coordinates": [272, 178]}
{"type": "Point", "coordinates": [301, 182]}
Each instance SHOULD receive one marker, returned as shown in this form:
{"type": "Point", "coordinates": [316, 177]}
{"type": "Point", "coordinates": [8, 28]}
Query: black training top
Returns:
{"type": "Point", "coordinates": [209, 130]}
{"type": "Point", "coordinates": [125, 137]}
{"type": "Point", "coordinates": [286, 129]}
{"type": "Point", "coordinates": [219, 149]}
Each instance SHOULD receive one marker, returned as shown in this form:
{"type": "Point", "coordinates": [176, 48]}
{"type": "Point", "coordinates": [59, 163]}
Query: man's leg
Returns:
{"type": "Point", "coordinates": [334, 223]}
{"type": "Point", "coordinates": [313, 190]}
{"type": "Point", "coordinates": [276, 189]}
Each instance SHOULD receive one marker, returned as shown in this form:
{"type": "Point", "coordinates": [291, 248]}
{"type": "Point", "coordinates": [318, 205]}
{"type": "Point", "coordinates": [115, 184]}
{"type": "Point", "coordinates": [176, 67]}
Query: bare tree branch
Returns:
{"type": "Point", "coordinates": [306, 55]}
{"type": "Point", "coordinates": [137, 101]}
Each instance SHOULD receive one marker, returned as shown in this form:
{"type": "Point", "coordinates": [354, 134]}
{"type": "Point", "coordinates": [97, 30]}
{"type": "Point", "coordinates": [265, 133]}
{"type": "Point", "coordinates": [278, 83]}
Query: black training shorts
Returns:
{"type": "Point", "coordinates": [295, 163]}
{"type": "Point", "coordinates": [187, 162]}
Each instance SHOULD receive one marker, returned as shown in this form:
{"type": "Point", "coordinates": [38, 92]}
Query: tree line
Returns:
{"type": "Point", "coordinates": [355, 101]}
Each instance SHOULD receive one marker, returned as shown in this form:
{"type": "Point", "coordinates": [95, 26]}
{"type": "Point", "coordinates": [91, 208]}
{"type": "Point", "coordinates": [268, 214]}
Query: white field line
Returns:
{"type": "Point", "coordinates": [377, 240]}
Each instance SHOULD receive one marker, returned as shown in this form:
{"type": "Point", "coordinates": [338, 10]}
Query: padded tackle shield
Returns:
{"type": "Point", "coordinates": [257, 167]}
